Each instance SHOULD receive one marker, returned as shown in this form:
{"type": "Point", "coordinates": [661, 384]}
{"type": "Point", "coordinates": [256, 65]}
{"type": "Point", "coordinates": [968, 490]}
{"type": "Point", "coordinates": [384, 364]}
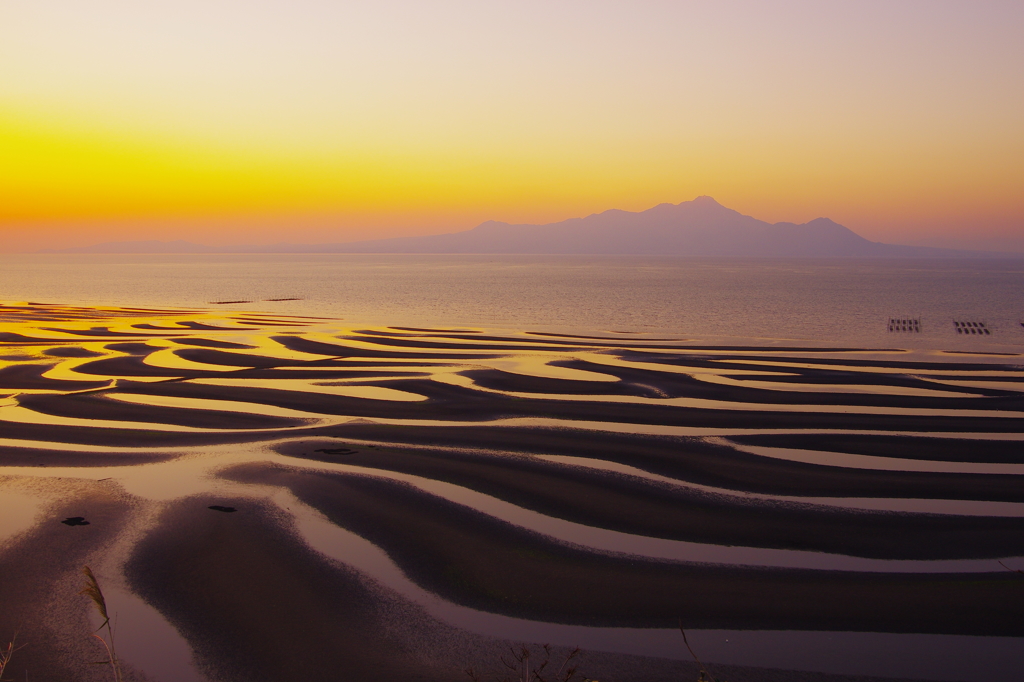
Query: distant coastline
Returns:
{"type": "Point", "coordinates": [698, 228]}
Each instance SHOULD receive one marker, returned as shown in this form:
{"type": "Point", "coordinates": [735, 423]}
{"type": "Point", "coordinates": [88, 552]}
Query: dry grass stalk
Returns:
{"type": "Point", "coordinates": [1011, 570]}
{"type": "Point", "coordinates": [705, 676]}
{"type": "Point", "coordinates": [8, 653]}
{"type": "Point", "coordinates": [519, 665]}
{"type": "Point", "coordinates": [93, 591]}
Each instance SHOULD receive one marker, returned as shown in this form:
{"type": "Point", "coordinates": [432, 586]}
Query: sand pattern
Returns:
{"type": "Point", "coordinates": [495, 478]}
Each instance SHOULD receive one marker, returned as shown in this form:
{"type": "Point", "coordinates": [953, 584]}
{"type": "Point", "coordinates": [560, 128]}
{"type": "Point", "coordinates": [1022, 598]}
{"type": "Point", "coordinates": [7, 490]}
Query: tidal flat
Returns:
{"type": "Point", "coordinates": [410, 502]}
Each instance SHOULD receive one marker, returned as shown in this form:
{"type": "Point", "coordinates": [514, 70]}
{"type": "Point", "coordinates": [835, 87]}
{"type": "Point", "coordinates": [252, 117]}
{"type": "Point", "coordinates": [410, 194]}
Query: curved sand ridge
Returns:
{"type": "Point", "coordinates": [595, 482]}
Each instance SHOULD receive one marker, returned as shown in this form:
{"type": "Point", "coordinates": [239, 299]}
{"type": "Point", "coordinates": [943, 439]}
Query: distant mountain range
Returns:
{"type": "Point", "coordinates": [701, 227]}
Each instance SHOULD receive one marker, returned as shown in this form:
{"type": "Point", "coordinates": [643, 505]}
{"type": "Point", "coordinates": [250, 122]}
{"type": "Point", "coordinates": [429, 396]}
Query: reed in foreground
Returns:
{"type": "Point", "coordinates": [7, 653]}
{"type": "Point", "coordinates": [522, 670]}
{"type": "Point", "coordinates": [93, 591]}
{"type": "Point", "coordinates": [705, 676]}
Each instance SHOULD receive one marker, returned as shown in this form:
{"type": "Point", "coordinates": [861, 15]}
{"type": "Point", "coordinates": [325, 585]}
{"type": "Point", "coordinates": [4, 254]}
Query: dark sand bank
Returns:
{"type": "Point", "coordinates": [339, 350]}
{"type": "Point", "coordinates": [904, 447]}
{"type": "Point", "coordinates": [833, 484]}
{"type": "Point", "coordinates": [30, 376]}
{"type": "Point", "coordinates": [83, 406]}
{"type": "Point", "coordinates": [214, 343]}
{"type": "Point", "coordinates": [481, 562]}
{"type": "Point", "coordinates": [256, 604]}
{"type": "Point", "coordinates": [71, 352]}
{"type": "Point", "coordinates": [13, 456]}
{"type": "Point", "coordinates": [636, 506]}
{"type": "Point", "coordinates": [120, 438]}
{"type": "Point", "coordinates": [796, 357]}
{"type": "Point", "coordinates": [695, 460]}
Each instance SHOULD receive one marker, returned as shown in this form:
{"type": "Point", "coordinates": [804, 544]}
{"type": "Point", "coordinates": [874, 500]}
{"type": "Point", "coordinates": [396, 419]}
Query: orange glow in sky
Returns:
{"type": "Point", "coordinates": [310, 121]}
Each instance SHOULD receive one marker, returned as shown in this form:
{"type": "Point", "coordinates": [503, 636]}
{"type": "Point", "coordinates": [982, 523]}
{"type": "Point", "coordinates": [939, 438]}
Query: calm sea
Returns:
{"type": "Point", "coordinates": [828, 301]}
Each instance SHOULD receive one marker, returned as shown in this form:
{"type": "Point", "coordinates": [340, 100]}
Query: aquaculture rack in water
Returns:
{"type": "Point", "coordinates": [970, 327]}
{"type": "Point", "coordinates": [905, 324]}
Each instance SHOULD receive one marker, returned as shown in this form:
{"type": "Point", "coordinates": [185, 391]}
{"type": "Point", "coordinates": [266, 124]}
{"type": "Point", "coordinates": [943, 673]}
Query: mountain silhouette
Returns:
{"type": "Point", "coordinates": [701, 227]}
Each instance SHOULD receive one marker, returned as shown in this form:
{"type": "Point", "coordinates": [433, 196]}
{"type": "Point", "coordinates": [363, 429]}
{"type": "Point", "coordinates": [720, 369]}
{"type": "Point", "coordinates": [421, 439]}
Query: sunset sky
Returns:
{"type": "Point", "coordinates": [231, 122]}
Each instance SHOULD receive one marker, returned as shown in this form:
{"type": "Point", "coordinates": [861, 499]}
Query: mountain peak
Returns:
{"type": "Point", "coordinates": [825, 223]}
{"type": "Point", "coordinates": [705, 200]}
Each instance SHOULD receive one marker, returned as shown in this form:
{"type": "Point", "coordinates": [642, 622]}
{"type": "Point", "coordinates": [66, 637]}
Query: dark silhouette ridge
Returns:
{"type": "Point", "coordinates": [701, 227]}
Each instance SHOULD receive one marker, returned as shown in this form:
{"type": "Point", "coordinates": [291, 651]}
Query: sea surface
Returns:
{"type": "Point", "coordinates": [825, 301]}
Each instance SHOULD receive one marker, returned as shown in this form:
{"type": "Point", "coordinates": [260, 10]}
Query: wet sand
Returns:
{"type": "Point", "coordinates": [475, 560]}
{"type": "Point", "coordinates": [428, 444]}
{"type": "Point", "coordinates": [259, 605]}
{"type": "Point", "coordinates": [41, 572]}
